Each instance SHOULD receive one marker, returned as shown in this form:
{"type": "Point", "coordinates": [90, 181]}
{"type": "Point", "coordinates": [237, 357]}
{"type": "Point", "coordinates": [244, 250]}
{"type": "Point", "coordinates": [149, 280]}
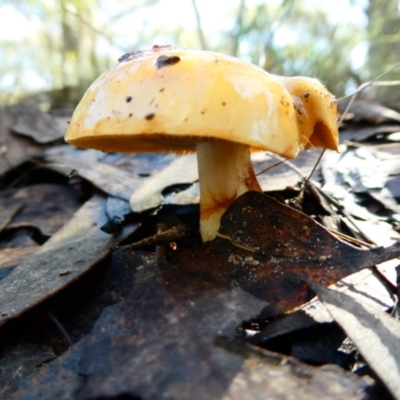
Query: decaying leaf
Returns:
{"type": "Point", "coordinates": [375, 334]}
{"type": "Point", "coordinates": [159, 342]}
{"type": "Point", "coordinates": [269, 249]}
{"type": "Point", "coordinates": [74, 249]}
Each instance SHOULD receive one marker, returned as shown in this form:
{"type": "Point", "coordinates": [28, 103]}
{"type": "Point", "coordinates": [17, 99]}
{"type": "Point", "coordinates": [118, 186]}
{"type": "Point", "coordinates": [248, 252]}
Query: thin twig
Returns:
{"type": "Point", "coordinates": [169, 235]}
{"type": "Point", "coordinates": [362, 87]}
{"type": "Point", "coordinates": [272, 166]}
{"type": "Point", "coordinates": [159, 256]}
{"type": "Point", "coordinates": [299, 198]}
{"type": "Point", "coordinates": [349, 239]}
{"type": "Point", "coordinates": [60, 328]}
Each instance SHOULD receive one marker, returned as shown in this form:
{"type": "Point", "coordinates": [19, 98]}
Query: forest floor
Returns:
{"type": "Point", "coordinates": [248, 315]}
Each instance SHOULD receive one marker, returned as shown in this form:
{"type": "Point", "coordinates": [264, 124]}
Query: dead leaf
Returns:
{"type": "Point", "coordinates": [162, 343]}
{"type": "Point", "coordinates": [264, 376]}
{"type": "Point", "coordinates": [78, 246]}
{"type": "Point", "coordinates": [13, 373]}
{"type": "Point", "coordinates": [14, 149]}
{"type": "Point", "coordinates": [7, 213]}
{"type": "Point", "coordinates": [35, 124]}
{"type": "Point", "coordinates": [13, 256]}
{"type": "Point", "coordinates": [373, 113]}
{"type": "Point", "coordinates": [393, 185]}
{"type": "Point", "coordinates": [360, 134]}
{"type": "Point", "coordinates": [117, 174]}
{"type": "Point", "coordinates": [149, 194]}
{"type": "Point", "coordinates": [376, 334]}
{"type": "Point", "coordinates": [44, 206]}
{"type": "Point", "coordinates": [108, 178]}
{"type": "Point", "coordinates": [269, 249]}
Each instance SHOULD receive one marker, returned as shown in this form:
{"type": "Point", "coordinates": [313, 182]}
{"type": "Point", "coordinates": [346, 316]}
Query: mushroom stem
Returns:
{"type": "Point", "coordinates": [225, 172]}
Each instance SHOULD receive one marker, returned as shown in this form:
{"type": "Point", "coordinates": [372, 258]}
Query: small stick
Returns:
{"type": "Point", "coordinates": [349, 239]}
{"type": "Point", "coordinates": [272, 166]}
{"type": "Point", "coordinates": [169, 235]}
{"type": "Point", "coordinates": [161, 247]}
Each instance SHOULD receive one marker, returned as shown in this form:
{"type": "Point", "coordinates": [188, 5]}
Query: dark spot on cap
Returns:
{"type": "Point", "coordinates": [68, 122]}
{"type": "Point", "coordinates": [203, 112]}
{"type": "Point", "coordinates": [306, 94]}
{"type": "Point", "coordinates": [223, 103]}
{"type": "Point", "coordinates": [151, 102]}
{"type": "Point", "coordinates": [164, 61]}
{"type": "Point", "coordinates": [124, 57]}
{"type": "Point", "coordinates": [149, 116]}
{"type": "Point", "coordinates": [157, 47]}
{"type": "Point", "coordinates": [128, 99]}
{"type": "Point", "coordinates": [130, 114]}
{"type": "Point", "coordinates": [161, 90]}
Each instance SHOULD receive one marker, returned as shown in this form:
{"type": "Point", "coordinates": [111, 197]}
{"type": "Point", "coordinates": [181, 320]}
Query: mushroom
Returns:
{"type": "Point", "coordinates": [168, 99]}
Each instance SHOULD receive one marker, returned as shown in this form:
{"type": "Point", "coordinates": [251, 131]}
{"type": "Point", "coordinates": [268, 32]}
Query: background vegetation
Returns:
{"type": "Point", "coordinates": [60, 46]}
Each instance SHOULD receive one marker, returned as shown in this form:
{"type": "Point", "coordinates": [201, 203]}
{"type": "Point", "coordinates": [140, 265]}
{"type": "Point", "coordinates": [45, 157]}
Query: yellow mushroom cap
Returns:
{"type": "Point", "coordinates": [169, 99]}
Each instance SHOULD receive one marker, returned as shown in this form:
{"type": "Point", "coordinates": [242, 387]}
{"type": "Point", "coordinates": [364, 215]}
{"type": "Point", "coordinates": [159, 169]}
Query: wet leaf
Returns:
{"type": "Point", "coordinates": [269, 249]}
{"type": "Point", "coordinates": [69, 253]}
{"type": "Point", "coordinates": [376, 334]}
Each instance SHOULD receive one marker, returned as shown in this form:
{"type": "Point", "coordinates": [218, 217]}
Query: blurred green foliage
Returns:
{"type": "Point", "coordinates": [70, 42]}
